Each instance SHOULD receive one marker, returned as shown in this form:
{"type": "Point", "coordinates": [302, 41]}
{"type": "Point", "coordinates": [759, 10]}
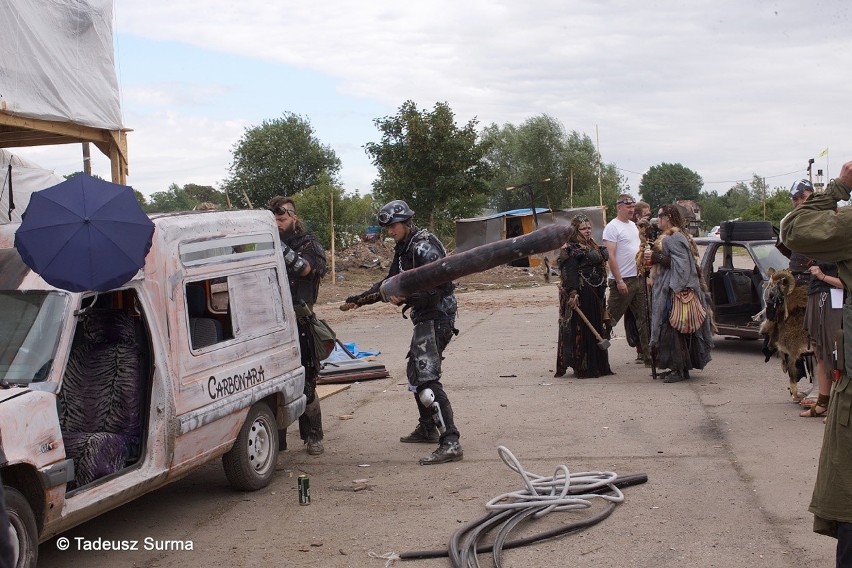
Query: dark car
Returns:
{"type": "Point", "coordinates": [735, 271]}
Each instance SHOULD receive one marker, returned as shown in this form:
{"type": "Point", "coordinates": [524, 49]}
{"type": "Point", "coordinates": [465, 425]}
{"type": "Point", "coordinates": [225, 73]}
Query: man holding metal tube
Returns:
{"type": "Point", "coordinates": [433, 312]}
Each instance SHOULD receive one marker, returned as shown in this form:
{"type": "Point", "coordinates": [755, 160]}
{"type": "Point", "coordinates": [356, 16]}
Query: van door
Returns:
{"type": "Point", "coordinates": [238, 348]}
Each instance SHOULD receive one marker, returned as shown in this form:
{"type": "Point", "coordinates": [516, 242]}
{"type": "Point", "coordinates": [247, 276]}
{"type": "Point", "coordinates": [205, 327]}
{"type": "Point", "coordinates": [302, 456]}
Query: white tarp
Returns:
{"type": "Point", "coordinates": [26, 178]}
{"type": "Point", "coordinates": [56, 61]}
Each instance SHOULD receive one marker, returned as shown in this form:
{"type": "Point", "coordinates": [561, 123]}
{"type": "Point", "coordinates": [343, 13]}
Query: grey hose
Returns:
{"type": "Point", "coordinates": [541, 495]}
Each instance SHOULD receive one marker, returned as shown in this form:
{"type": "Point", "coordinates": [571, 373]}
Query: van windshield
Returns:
{"type": "Point", "coordinates": [29, 334]}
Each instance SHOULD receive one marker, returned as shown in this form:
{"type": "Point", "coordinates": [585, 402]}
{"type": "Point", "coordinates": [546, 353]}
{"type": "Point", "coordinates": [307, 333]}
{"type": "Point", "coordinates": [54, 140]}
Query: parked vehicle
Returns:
{"type": "Point", "coordinates": [107, 396]}
{"type": "Point", "coordinates": [714, 232]}
{"type": "Point", "coordinates": [736, 271]}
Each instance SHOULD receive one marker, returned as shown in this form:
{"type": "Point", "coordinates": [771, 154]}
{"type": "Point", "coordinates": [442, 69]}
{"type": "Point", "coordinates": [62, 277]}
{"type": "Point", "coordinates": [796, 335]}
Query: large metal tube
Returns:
{"type": "Point", "coordinates": [475, 260]}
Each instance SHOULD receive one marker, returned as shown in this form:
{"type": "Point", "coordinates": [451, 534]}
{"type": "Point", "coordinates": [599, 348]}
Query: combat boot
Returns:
{"type": "Point", "coordinates": [422, 434]}
{"type": "Point", "coordinates": [446, 452]}
{"type": "Point", "coordinates": [314, 446]}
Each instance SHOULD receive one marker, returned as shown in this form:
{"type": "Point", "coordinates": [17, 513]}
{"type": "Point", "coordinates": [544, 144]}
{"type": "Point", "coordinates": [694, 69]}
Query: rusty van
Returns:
{"type": "Point", "coordinates": [107, 396]}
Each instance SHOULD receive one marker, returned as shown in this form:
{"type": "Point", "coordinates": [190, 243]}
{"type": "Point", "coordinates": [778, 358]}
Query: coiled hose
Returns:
{"type": "Point", "coordinates": [562, 491]}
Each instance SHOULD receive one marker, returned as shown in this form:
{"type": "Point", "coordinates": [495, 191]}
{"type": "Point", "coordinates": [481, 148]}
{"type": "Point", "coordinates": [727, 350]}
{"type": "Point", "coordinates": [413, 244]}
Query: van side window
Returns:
{"type": "Point", "coordinates": [250, 292]}
{"type": "Point", "coordinates": [207, 326]}
{"type": "Point", "coordinates": [233, 307]}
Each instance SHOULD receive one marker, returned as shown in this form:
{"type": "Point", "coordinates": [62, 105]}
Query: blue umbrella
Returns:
{"type": "Point", "coordinates": [84, 234]}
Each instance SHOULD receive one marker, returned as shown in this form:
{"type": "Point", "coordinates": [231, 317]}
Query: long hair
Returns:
{"type": "Point", "coordinates": [678, 222]}
{"type": "Point", "coordinates": [576, 221]}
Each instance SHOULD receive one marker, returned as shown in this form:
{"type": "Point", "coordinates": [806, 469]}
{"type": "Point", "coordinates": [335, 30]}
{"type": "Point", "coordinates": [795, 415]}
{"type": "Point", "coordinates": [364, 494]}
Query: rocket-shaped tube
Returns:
{"type": "Point", "coordinates": [475, 260]}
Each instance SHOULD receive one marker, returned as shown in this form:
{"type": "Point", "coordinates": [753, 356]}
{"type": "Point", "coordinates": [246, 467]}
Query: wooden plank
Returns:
{"type": "Point", "coordinates": [325, 391]}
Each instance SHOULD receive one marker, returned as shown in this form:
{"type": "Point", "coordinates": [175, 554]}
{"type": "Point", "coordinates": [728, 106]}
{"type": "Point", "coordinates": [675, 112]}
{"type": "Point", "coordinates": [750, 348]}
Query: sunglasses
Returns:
{"type": "Point", "coordinates": [625, 202]}
{"type": "Point", "coordinates": [284, 211]}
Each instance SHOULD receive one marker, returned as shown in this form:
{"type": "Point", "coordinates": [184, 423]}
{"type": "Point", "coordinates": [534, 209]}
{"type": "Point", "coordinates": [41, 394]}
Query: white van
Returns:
{"type": "Point", "coordinates": [107, 396]}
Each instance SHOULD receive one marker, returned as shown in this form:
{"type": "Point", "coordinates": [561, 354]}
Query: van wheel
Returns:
{"type": "Point", "coordinates": [250, 464]}
{"type": "Point", "coordinates": [22, 528]}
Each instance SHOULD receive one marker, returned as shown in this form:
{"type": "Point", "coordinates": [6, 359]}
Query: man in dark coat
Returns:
{"type": "Point", "coordinates": [819, 230]}
{"type": "Point", "coordinates": [306, 265]}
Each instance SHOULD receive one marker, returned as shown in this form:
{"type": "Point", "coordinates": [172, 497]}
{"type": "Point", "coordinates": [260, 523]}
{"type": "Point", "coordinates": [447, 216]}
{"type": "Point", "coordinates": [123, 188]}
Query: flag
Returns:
{"type": "Point", "coordinates": [823, 153]}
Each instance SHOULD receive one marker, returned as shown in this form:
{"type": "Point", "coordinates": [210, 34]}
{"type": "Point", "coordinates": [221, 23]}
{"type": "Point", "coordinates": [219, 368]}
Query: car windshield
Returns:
{"type": "Point", "coordinates": [768, 256]}
{"type": "Point", "coordinates": [29, 334]}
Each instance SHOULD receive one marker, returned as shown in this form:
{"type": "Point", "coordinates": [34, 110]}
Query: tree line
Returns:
{"type": "Point", "coordinates": [447, 171]}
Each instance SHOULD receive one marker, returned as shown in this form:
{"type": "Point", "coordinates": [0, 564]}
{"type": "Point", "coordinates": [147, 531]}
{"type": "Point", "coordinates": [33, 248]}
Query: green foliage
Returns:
{"type": "Point", "coordinates": [667, 183]}
{"type": "Point", "coordinates": [184, 198]}
{"type": "Point", "coordinates": [540, 149]}
{"type": "Point", "coordinates": [776, 207]}
{"type": "Point", "coordinates": [745, 201]}
{"type": "Point", "coordinates": [280, 157]}
{"type": "Point", "coordinates": [352, 213]}
{"type": "Point", "coordinates": [432, 164]}
{"type": "Point", "coordinates": [140, 197]}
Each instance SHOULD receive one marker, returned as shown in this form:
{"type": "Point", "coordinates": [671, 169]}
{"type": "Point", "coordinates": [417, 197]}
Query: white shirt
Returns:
{"type": "Point", "coordinates": [625, 235]}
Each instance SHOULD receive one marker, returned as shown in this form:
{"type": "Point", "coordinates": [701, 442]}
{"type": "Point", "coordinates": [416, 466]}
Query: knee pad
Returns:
{"type": "Point", "coordinates": [427, 399]}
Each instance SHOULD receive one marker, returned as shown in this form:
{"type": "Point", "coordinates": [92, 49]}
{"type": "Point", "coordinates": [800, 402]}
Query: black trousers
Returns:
{"type": "Point", "coordinates": [428, 342]}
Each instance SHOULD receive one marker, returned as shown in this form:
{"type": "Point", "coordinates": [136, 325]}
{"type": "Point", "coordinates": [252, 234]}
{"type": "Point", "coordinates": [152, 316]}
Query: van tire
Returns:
{"type": "Point", "coordinates": [22, 525]}
{"type": "Point", "coordinates": [250, 463]}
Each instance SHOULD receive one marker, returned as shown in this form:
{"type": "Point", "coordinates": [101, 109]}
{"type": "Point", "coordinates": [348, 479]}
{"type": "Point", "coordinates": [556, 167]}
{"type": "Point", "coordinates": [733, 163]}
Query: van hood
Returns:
{"type": "Point", "coordinates": [6, 394]}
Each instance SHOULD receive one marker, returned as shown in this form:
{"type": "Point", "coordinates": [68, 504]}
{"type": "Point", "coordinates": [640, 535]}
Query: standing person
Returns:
{"type": "Point", "coordinates": [626, 289]}
{"type": "Point", "coordinates": [674, 258]}
{"type": "Point", "coordinates": [818, 229]}
{"type": "Point", "coordinates": [822, 321]}
{"type": "Point", "coordinates": [582, 266]}
{"type": "Point", "coordinates": [433, 313]}
{"type": "Point", "coordinates": [642, 218]}
{"type": "Point", "coordinates": [306, 265]}
{"type": "Point", "coordinates": [800, 191]}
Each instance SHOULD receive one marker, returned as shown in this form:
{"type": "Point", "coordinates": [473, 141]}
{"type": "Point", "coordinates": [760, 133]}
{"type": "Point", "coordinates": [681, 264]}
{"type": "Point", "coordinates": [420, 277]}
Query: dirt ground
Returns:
{"type": "Point", "coordinates": [730, 464]}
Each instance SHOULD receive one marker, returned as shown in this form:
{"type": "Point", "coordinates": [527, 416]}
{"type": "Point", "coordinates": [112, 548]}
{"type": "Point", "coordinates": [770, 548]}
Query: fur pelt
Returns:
{"type": "Point", "coordinates": [784, 326]}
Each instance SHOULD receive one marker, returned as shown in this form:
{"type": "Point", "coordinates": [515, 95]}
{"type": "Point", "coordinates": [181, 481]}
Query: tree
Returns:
{"type": "Point", "coordinates": [352, 213]}
{"type": "Point", "coordinates": [541, 149]}
{"type": "Point", "coordinates": [280, 157]}
{"type": "Point", "coordinates": [140, 197]}
{"type": "Point", "coordinates": [667, 183]}
{"type": "Point", "coordinates": [435, 166]}
{"type": "Point", "coordinates": [743, 201]}
{"type": "Point", "coordinates": [185, 198]}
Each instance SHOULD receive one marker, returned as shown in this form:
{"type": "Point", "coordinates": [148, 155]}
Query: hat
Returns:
{"type": "Point", "coordinates": [799, 188]}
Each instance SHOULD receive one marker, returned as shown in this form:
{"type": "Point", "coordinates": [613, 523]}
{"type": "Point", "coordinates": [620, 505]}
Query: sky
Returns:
{"type": "Point", "coordinates": [724, 87]}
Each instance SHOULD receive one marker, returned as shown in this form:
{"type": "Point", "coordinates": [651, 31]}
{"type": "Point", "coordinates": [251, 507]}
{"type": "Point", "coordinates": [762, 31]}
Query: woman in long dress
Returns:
{"type": "Point", "coordinates": [582, 266]}
{"type": "Point", "coordinates": [675, 268]}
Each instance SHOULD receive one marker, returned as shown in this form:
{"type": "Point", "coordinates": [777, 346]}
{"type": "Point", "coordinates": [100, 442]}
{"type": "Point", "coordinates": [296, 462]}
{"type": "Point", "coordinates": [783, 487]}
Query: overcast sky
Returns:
{"type": "Point", "coordinates": [727, 88]}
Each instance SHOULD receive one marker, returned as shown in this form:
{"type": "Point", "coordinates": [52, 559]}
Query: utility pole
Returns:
{"type": "Point", "coordinates": [331, 224]}
{"type": "Point", "coordinates": [571, 189]}
{"type": "Point", "coordinates": [87, 159]}
{"type": "Point", "coordinates": [598, 164]}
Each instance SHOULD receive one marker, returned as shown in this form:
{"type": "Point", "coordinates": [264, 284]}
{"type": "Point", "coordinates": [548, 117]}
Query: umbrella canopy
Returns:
{"type": "Point", "coordinates": [84, 234]}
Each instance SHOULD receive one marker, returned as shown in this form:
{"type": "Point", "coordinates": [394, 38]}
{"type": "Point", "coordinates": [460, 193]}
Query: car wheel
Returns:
{"type": "Point", "coordinates": [250, 464]}
{"type": "Point", "coordinates": [22, 528]}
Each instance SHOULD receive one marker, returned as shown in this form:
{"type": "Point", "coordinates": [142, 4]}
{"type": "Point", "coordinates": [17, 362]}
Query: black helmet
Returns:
{"type": "Point", "coordinates": [394, 212]}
